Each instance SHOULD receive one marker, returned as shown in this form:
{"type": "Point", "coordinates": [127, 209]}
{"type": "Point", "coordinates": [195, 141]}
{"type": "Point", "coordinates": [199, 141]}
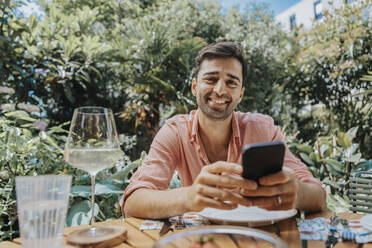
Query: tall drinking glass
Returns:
{"type": "Point", "coordinates": [92, 145]}
{"type": "Point", "coordinates": [42, 203]}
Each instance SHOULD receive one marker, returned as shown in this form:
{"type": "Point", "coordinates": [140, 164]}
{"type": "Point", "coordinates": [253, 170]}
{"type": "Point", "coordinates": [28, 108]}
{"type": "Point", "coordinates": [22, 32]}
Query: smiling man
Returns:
{"type": "Point", "coordinates": [205, 147]}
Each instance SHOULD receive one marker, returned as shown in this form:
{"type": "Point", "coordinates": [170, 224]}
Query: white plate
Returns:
{"type": "Point", "coordinates": [366, 221]}
{"type": "Point", "coordinates": [224, 236]}
{"type": "Point", "coordinates": [247, 216]}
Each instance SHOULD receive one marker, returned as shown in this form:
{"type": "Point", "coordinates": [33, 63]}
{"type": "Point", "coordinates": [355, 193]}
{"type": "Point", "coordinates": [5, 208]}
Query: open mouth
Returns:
{"type": "Point", "coordinates": [217, 104]}
{"type": "Point", "coordinates": [218, 101]}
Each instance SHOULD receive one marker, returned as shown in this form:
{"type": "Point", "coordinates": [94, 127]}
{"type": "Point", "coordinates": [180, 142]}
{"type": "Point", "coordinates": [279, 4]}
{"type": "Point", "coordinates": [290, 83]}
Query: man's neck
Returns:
{"type": "Point", "coordinates": [215, 134]}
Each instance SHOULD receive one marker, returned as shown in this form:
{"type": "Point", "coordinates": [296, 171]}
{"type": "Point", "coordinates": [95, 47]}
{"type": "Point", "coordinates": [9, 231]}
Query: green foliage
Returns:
{"type": "Point", "coordinates": [15, 72]}
{"type": "Point", "coordinates": [326, 68]}
{"type": "Point", "coordinates": [368, 92]}
{"type": "Point", "coordinates": [25, 150]}
{"type": "Point", "coordinates": [8, 55]}
{"type": "Point", "coordinates": [28, 148]}
{"type": "Point", "coordinates": [68, 60]}
{"type": "Point", "coordinates": [136, 57]}
{"type": "Point", "coordinates": [333, 159]}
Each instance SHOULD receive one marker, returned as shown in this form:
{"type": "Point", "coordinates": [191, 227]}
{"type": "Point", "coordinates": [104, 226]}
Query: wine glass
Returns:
{"type": "Point", "coordinates": [92, 145]}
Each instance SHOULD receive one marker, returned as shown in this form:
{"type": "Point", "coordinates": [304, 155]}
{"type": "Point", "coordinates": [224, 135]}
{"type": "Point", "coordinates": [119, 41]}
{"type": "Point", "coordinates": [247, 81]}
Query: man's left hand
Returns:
{"type": "Point", "coordinates": [276, 191]}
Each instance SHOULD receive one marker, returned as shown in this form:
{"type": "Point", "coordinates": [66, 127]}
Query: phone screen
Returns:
{"type": "Point", "coordinates": [261, 159]}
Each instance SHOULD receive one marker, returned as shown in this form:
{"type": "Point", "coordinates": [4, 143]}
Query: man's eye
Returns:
{"type": "Point", "coordinates": [232, 83]}
{"type": "Point", "coordinates": [210, 79]}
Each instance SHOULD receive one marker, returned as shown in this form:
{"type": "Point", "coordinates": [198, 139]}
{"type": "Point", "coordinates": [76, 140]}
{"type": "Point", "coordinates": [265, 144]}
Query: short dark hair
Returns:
{"type": "Point", "coordinates": [222, 50]}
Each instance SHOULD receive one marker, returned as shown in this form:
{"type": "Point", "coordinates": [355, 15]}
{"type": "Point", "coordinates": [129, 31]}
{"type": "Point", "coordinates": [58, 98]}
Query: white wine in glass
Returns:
{"type": "Point", "coordinates": [92, 145]}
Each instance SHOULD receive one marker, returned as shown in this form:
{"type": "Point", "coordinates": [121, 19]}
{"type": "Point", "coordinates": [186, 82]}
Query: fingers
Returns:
{"type": "Point", "coordinates": [281, 207]}
{"type": "Point", "coordinates": [272, 179]}
{"type": "Point", "coordinates": [213, 203]}
{"type": "Point", "coordinates": [211, 187]}
{"type": "Point", "coordinates": [278, 202]}
{"type": "Point", "coordinates": [288, 188]}
{"type": "Point", "coordinates": [283, 176]}
{"type": "Point", "coordinates": [277, 191]}
{"type": "Point", "coordinates": [222, 166]}
{"type": "Point", "coordinates": [226, 175]}
{"type": "Point", "coordinates": [222, 195]}
{"type": "Point", "coordinates": [226, 181]}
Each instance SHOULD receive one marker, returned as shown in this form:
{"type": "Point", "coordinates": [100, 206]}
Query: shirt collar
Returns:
{"type": "Point", "coordinates": [195, 127]}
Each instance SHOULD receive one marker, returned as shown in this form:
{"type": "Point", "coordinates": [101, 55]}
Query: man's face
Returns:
{"type": "Point", "coordinates": [218, 87]}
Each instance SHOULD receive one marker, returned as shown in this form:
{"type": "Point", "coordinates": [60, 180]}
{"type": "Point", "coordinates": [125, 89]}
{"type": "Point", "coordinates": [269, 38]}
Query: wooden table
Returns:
{"type": "Point", "coordinates": [137, 238]}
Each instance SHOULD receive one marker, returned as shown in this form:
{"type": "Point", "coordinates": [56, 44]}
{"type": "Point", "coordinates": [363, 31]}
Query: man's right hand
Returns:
{"type": "Point", "coordinates": [214, 186]}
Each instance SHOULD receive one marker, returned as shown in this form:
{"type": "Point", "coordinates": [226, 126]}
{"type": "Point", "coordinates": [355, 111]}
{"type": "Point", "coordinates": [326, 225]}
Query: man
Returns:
{"type": "Point", "coordinates": [205, 147]}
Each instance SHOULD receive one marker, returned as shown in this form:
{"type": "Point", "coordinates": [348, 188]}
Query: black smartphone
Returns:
{"type": "Point", "coordinates": [261, 159]}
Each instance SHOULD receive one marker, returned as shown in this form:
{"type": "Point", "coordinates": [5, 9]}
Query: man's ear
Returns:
{"type": "Point", "coordinates": [193, 86]}
{"type": "Point", "coordinates": [241, 93]}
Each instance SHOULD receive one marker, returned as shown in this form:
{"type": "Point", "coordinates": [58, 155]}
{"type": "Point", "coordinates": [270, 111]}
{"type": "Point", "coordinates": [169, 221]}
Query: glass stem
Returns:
{"type": "Point", "coordinates": [92, 199]}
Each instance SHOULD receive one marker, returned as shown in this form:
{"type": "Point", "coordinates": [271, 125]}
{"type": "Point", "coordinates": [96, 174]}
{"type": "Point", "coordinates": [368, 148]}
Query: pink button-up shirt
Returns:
{"type": "Point", "coordinates": [177, 146]}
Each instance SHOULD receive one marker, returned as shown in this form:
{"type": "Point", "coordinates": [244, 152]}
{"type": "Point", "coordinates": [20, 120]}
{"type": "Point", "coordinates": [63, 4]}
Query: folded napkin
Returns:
{"type": "Point", "coordinates": [178, 222]}
{"type": "Point", "coordinates": [318, 228]}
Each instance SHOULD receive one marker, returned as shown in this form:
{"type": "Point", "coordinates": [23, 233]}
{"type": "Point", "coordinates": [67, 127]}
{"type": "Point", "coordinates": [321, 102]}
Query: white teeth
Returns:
{"type": "Point", "coordinates": [218, 101]}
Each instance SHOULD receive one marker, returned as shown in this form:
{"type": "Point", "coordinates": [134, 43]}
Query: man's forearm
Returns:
{"type": "Point", "coordinates": [311, 197]}
{"type": "Point", "coordinates": [156, 204]}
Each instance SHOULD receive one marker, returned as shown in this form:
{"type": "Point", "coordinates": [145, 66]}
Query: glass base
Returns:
{"type": "Point", "coordinates": [97, 234]}
{"type": "Point", "coordinates": [95, 231]}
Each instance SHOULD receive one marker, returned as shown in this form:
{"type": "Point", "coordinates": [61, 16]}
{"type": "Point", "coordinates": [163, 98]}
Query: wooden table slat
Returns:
{"type": "Point", "coordinates": [154, 234]}
{"type": "Point", "coordinates": [8, 244]}
{"type": "Point", "coordinates": [17, 240]}
{"type": "Point", "coordinates": [146, 239]}
{"type": "Point", "coordinates": [136, 238]}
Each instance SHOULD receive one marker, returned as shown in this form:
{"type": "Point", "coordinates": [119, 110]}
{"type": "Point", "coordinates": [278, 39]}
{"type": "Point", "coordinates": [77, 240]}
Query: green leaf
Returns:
{"type": "Point", "coordinates": [337, 203]}
{"type": "Point", "coordinates": [306, 159]}
{"type": "Point", "coordinates": [343, 140]}
{"type": "Point", "coordinates": [352, 133]}
{"type": "Point", "coordinates": [334, 162]}
{"type": "Point", "coordinates": [304, 148]}
{"type": "Point", "coordinates": [80, 213]}
{"type": "Point", "coordinates": [316, 173]}
{"type": "Point", "coordinates": [53, 143]}
{"type": "Point", "coordinates": [354, 158]}
{"type": "Point", "coordinates": [323, 149]}
{"type": "Point", "coordinates": [327, 181]}
{"type": "Point", "coordinates": [80, 190]}
{"type": "Point", "coordinates": [100, 189]}
{"type": "Point", "coordinates": [315, 157]}
{"type": "Point", "coordinates": [335, 171]}
{"type": "Point", "coordinates": [164, 84]}
{"type": "Point", "coordinates": [27, 125]}
{"type": "Point", "coordinates": [351, 150]}
{"type": "Point", "coordinates": [123, 174]}
{"type": "Point", "coordinates": [20, 114]}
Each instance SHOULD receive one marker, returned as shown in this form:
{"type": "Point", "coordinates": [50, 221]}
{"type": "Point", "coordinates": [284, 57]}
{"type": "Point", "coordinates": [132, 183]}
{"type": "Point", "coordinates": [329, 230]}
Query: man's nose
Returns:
{"type": "Point", "coordinates": [219, 88]}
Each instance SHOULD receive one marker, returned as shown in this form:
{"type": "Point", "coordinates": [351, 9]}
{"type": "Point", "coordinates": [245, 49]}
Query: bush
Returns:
{"type": "Point", "coordinates": [27, 148]}
{"type": "Point", "coordinates": [138, 58]}
{"type": "Point", "coordinates": [326, 68]}
{"type": "Point", "coordinates": [333, 159]}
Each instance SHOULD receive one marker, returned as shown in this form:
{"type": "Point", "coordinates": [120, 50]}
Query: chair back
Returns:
{"type": "Point", "coordinates": [360, 192]}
